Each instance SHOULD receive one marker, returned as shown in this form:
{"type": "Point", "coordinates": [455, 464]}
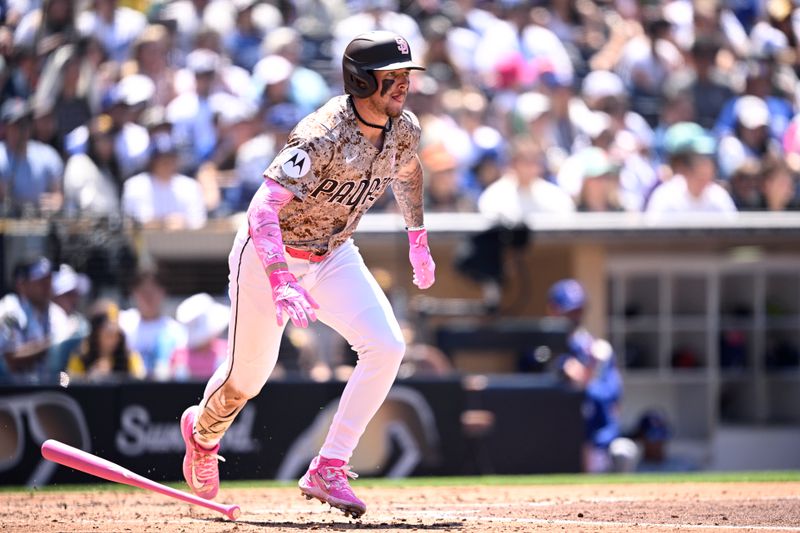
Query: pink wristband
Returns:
{"type": "Point", "coordinates": [280, 277]}
{"type": "Point", "coordinates": [418, 237]}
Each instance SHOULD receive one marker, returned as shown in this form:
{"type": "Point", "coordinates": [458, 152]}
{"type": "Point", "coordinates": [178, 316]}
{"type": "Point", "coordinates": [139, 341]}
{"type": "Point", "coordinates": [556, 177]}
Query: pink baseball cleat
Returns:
{"type": "Point", "coordinates": [199, 464]}
{"type": "Point", "coordinates": [326, 480]}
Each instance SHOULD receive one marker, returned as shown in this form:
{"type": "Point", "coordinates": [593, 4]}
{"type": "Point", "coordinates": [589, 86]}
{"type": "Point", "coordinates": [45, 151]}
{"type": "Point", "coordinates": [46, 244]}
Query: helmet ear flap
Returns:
{"type": "Point", "coordinates": [357, 81]}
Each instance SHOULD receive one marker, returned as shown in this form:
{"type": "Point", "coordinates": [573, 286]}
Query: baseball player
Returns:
{"type": "Point", "coordinates": [296, 259]}
{"type": "Point", "coordinates": [589, 366]}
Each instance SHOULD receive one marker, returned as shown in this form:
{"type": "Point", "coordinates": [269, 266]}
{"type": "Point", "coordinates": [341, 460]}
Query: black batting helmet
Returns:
{"type": "Point", "coordinates": [370, 51]}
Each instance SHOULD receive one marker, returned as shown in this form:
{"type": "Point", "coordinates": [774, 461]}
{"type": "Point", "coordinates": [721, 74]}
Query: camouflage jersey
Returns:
{"type": "Point", "coordinates": [336, 174]}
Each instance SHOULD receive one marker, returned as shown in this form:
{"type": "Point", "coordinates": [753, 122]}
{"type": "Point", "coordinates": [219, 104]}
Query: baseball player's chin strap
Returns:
{"type": "Point", "coordinates": [386, 127]}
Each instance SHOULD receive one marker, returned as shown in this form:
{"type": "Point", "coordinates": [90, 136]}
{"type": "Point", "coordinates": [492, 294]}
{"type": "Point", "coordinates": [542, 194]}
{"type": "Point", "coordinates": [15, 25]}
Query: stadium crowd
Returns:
{"type": "Point", "coordinates": [168, 111]}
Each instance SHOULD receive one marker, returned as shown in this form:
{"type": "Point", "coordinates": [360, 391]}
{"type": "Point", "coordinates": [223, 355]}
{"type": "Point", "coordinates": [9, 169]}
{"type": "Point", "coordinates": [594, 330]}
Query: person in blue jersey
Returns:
{"type": "Point", "coordinates": [589, 366]}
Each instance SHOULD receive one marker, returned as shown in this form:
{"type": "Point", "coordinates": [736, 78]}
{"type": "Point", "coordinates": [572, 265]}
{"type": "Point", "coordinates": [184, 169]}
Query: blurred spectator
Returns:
{"type": "Point", "coordinates": [443, 193]}
{"type": "Point", "coordinates": [791, 142]}
{"type": "Point", "coordinates": [205, 321]}
{"type": "Point", "coordinates": [154, 119]}
{"type": "Point", "coordinates": [566, 20]}
{"type": "Point", "coordinates": [281, 103]}
{"type": "Point", "coordinates": [46, 27]}
{"type": "Point", "coordinates": [565, 112]}
{"type": "Point", "coordinates": [237, 124]}
{"type": "Point", "coordinates": [422, 359]}
{"type": "Point", "coordinates": [5, 74]}
{"type": "Point", "coordinates": [599, 131]}
{"type": "Point", "coordinates": [30, 171]}
{"type": "Point", "coordinates": [192, 114]}
{"type": "Point", "coordinates": [711, 17]}
{"type": "Point", "coordinates": [104, 353]}
{"type": "Point", "coordinates": [30, 323]}
{"type": "Point", "coordinates": [150, 56]}
{"type": "Point", "coordinates": [271, 81]}
{"type": "Point", "coordinates": [771, 35]}
{"type": "Point", "coordinates": [512, 75]}
{"type": "Point", "coordinates": [679, 142]}
{"type": "Point", "coordinates": [759, 83]}
{"type": "Point", "coordinates": [150, 331]}
{"type": "Point", "coordinates": [605, 92]}
{"type": "Point", "coordinates": [692, 187]}
{"type": "Point", "coordinates": [442, 123]}
{"type": "Point", "coordinates": [709, 89]}
{"type": "Point", "coordinates": [652, 434]}
{"type": "Point", "coordinates": [44, 127]}
{"type": "Point", "coordinates": [769, 185]}
{"type": "Point", "coordinates": [185, 17]}
{"type": "Point", "coordinates": [161, 197]}
{"type": "Point", "coordinates": [469, 133]}
{"type": "Point", "coordinates": [679, 106]}
{"type": "Point", "coordinates": [495, 71]}
{"type": "Point", "coordinates": [368, 15]}
{"type": "Point", "coordinates": [131, 141]}
{"type": "Point", "coordinates": [745, 186]}
{"type": "Point", "coordinates": [621, 26]}
{"type": "Point", "coordinates": [23, 73]}
{"type": "Point", "coordinates": [92, 180]}
{"type": "Point", "coordinates": [255, 154]}
{"type": "Point", "coordinates": [750, 138]}
{"type": "Point", "coordinates": [637, 174]}
{"type": "Point", "coordinates": [64, 90]}
{"type": "Point", "coordinates": [523, 189]}
{"type": "Point", "coordinates": [517, 34]}
{"type": "Point", "coordinates": [115, 26]}
{"type": "Point", "coordinates": [534, 116]}
{"type": "Point", "coordinates": [779, 186]}
{"type": "Point", "coordinates": [646, 61]}
{"type": "Point", "coordinates": [307, 89]}
{"type": "Point", "coordinates": [229, 78]}
{"type": "Point", "coordinates": [438, 61]}
{"type": "Point", "coordinates": [486, 170]}
{"type": "Point", "coordinates": [243, 43]}
{"type": "Point", "coordinates": [600, 184]}
{"type": "Point", "coordinates": [589, 366]}
{"type": "Point", "coordinates": [466, 24]}
{"type": "Point", "coordinates": [222, 15]}
{"type": "Point", "coordinates": [69, 288]}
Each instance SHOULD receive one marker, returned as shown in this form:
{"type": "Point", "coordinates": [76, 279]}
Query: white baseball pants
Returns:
{"type": "Point", "coordinates": [351, 302]}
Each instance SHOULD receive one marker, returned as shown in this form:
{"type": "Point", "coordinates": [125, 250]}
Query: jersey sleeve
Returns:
{"type": "Point", "coordinates": [303, 160]}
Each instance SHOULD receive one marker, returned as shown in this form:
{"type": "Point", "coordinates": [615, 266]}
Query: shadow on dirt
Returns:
{"type": "Point", "coordinates": [338, 526]}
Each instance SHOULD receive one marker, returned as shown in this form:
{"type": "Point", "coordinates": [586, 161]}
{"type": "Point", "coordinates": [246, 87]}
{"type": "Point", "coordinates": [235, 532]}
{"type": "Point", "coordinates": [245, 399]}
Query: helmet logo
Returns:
{"type": "Point", "coordinates": [402, 45]}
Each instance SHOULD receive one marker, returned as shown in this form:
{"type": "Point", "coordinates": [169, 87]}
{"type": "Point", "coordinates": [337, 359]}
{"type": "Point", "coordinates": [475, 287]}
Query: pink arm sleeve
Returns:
{"type": "Point", "coordinates": [265, 229]}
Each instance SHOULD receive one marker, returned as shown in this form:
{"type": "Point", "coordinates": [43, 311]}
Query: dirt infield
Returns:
{"type": "Point", "coordinates": [708, 507]}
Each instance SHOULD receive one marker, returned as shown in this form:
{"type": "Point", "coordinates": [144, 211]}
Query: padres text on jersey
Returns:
{"type": "Point", "coordinates": [336, 173]}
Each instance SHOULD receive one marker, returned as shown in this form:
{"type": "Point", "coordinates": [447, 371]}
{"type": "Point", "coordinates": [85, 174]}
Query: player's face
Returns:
{"type": "Point", "coordinates": [390, 98]}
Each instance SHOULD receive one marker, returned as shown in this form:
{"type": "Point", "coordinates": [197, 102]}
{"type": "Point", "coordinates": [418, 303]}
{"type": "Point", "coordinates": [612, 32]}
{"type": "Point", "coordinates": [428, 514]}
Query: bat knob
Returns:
{"type": "Point", "coordinates": [233, 512]}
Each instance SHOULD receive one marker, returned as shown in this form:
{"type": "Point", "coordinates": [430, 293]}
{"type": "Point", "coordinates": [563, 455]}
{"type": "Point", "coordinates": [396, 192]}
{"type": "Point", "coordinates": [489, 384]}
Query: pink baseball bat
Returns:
{"type": "Point", "coordinates": [67, 455]}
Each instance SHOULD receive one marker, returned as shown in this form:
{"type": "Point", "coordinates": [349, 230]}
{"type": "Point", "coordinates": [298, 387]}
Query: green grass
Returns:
{"type": "Point", "coordinates": [583, 479]}
{"type": "Point", "coordinates": [550, 479]}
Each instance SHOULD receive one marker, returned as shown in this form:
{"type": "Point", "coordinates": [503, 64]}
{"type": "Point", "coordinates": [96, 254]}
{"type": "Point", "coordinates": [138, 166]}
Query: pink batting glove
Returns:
{"type": "Point", "coordinates": [292, 299]}
{"type": "Point", "coordinates": [420, 256]}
